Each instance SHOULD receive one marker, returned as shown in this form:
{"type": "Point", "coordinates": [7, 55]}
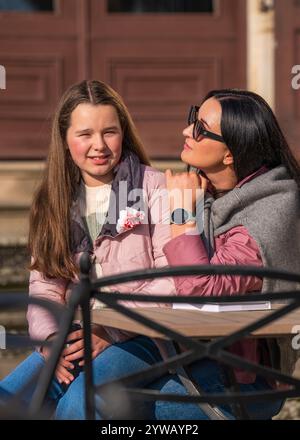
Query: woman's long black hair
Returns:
{"type": "Point", "coordinates": [252, 133]}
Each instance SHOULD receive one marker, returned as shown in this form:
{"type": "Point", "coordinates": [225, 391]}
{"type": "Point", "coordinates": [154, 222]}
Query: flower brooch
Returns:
{"type": "Point", "coordinates": [129, 218]}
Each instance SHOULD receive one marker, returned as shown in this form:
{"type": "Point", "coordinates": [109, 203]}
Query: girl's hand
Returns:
{"type": "Point", "coordinates": [100, 341]}
{"type": "Point", "coordinates": [62, 374]}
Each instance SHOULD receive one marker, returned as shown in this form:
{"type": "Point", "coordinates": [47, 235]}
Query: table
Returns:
{"type": "Point", "coordinates": [196, 324]}
{"type": "Point", "coordinates": [200, 325]}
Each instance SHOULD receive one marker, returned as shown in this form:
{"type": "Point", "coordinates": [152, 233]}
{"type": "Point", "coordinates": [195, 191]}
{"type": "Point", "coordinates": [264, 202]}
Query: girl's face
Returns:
{"type": "Point", "coordinates": [94, 139]}
{"type": "Point", "coordinates": [207, 154]}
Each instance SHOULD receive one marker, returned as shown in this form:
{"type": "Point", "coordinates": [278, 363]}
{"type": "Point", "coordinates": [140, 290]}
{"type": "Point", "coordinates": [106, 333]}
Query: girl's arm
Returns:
{"type": "Point", "coordinates": [41, 322]}
{"type": "Point", "coordinates": [160, 232]}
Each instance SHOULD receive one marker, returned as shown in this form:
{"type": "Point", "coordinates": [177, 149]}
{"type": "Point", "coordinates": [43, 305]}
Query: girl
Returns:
{"type": "Point", "coordinates": [251, 217]}
{"type": "Point", "coordinates": [87, 201]}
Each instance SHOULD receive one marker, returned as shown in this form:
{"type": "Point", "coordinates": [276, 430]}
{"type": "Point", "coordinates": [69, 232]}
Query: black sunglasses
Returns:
{"type": "Point", "coordinates": [199, 128]}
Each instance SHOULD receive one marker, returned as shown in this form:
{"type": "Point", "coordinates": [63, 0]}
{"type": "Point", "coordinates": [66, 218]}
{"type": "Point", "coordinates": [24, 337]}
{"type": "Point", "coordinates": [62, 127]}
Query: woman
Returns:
{"type": "Point", "coordinates": [89, 201]}
{"type": "Point", "coordinates": [251, 217]}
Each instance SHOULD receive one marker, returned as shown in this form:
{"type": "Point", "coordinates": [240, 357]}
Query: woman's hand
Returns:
{"type": "Point", "coordinates": [184, 191]}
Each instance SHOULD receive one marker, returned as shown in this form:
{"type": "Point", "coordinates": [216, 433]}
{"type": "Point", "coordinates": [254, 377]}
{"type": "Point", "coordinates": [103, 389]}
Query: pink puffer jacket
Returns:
{"type": "Point", "coordinates": [138, 248]}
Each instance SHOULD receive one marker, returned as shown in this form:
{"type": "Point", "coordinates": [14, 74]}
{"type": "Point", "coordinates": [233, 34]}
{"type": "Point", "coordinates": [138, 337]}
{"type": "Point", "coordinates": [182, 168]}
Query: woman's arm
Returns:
{"type": "Point", "coordinates": [237, 248]}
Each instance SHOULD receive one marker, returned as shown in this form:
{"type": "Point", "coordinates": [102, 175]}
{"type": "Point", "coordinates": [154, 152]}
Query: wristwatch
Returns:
{"type": "Point", "coordinates": [181, 216]}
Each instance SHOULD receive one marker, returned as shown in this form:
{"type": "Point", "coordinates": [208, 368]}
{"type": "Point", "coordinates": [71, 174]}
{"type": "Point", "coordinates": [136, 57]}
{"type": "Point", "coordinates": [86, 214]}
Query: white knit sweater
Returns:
{"type": "Point", "coordinates": [93, 205]}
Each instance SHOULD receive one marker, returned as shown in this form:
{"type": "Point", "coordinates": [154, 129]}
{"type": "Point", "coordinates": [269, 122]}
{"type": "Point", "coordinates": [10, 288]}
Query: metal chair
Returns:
{"type": "Point", "coordinates": [196, 350]}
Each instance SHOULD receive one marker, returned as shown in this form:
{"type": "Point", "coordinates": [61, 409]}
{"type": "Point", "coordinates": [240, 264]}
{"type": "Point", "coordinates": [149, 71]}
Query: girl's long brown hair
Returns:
{"type": "Point", "coordinates": [50, 215]}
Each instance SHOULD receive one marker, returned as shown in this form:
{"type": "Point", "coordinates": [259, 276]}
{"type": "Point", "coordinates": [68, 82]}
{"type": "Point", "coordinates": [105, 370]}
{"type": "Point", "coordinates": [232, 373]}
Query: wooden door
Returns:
{"type": "Point", "coordinates": [43, 52]}
{"type": "Point", "coordinates": [287, 70]}
{"type": "Point", "coordinates": [161, 62]}
{"type": "Point", "coordinates": [161, 56]}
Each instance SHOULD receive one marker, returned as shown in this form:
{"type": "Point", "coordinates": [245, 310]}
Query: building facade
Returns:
{"type": "Point", "coordinates": [161, 56]}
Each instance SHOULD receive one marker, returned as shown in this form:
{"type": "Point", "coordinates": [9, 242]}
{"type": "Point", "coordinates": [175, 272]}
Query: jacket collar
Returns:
{"type": "Point", "coordinates": [130, 172]}
{"type": "Point", "coordinates": [263, 169]}
{"type": "Point", "coordinates": [251, 176]}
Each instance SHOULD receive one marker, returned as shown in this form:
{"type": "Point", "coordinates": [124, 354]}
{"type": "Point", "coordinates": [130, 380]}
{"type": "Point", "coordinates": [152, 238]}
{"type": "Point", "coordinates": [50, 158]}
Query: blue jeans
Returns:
{"type": "Point", "coordinates": [116, 361]}
{"type": "Point", "coordinates": [128, 357]}
{"type": "Point", "coordinates": [208, 374]}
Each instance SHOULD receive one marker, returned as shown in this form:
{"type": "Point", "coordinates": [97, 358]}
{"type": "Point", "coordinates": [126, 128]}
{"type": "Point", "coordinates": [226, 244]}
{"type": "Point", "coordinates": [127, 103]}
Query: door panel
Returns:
{"type": "Point", "coordinates": [161, 63]}
{"type": "Point", "coordinates": [288, 55]}
{"type": "Point", "coordinates": [163, 6]}
{"type": "Point", "coordinates": [42, 54]}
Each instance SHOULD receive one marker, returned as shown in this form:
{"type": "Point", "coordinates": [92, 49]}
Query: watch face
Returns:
{"type": "Point", "coordinates": [179, 216]}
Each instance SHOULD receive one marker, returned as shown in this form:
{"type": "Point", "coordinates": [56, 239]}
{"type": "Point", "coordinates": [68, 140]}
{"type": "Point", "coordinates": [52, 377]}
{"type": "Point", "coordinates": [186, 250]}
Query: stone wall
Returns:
{"type": "Point", "coordinates": [13, 266]}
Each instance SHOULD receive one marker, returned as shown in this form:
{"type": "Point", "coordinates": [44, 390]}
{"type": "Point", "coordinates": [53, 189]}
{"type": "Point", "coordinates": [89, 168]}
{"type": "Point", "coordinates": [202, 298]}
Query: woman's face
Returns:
{"type": "Point", "coordinates": [94, 139]}
{"type": "Point", "coordinates": [207, 154]}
